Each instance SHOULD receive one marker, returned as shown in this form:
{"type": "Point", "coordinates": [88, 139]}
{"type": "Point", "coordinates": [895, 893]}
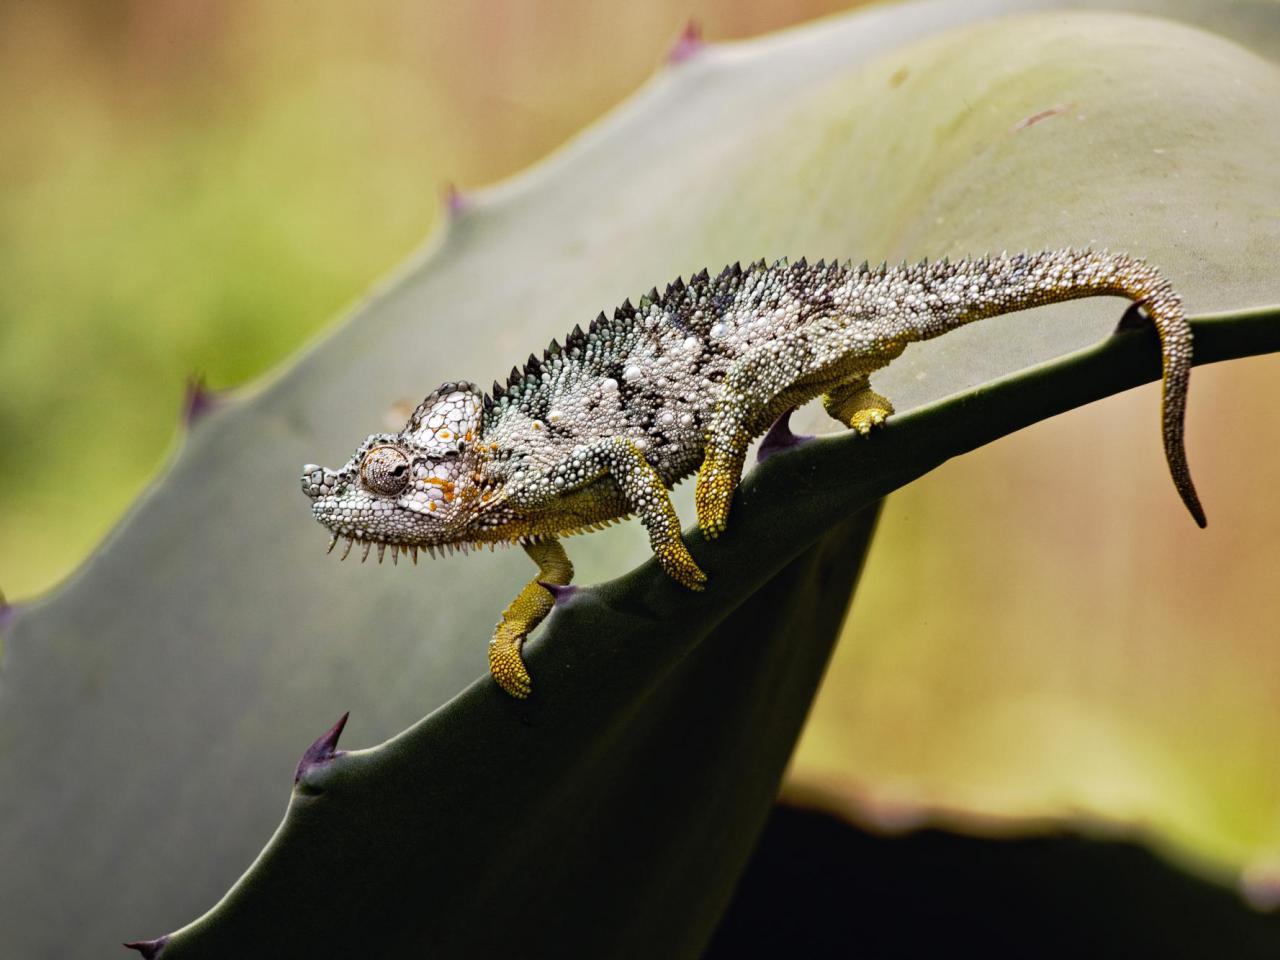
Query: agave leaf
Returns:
{"type": "Point", "coordinates": [150, 711]}
{"type": "Point", "coordinates": [580, 761]}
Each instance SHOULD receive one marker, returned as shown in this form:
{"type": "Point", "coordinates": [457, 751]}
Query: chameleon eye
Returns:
{"type": "Point", "coordinates": [385, 470]}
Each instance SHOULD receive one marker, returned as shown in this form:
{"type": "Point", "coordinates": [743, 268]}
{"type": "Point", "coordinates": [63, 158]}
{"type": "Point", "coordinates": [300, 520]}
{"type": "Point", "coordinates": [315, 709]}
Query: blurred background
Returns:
{"type": "Point", "coordinates": [194, 190]}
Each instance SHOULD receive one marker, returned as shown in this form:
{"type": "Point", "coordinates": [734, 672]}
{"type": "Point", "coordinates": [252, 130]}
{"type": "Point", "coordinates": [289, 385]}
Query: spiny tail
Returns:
{"type": "Point", "coordinates": [971, 290]}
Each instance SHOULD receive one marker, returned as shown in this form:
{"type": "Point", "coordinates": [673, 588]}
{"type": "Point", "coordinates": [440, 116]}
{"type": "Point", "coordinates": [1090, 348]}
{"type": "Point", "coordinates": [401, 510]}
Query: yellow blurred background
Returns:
{"type": "Point", "coordinates": [195, 189]}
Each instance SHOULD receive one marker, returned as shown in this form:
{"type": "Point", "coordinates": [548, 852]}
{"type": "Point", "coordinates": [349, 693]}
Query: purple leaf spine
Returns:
{"type": "Point", "coordinates": [323, 750]}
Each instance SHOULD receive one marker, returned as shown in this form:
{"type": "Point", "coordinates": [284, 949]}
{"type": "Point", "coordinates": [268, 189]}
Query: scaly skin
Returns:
{"type": "Point", "coordinates": [602, 426]}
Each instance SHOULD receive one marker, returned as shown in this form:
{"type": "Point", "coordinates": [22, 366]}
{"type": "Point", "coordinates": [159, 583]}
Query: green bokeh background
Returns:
{"type": "Point", "coordinates": [197, 189]}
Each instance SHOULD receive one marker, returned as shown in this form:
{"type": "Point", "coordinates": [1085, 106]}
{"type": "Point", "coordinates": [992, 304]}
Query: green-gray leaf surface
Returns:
{"type": "Point", "coordinates": [152, 710]}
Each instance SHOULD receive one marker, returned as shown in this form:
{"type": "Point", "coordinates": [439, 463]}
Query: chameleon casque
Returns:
{"type": "Point", "coordinates": [604, 424]}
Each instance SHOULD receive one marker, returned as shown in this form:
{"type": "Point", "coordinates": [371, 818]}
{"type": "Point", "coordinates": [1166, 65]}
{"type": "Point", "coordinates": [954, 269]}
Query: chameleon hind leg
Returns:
{"type": "Point", "coordinates": [527, 610]}
{"type": "Point", "coordinates": [717, 479]}
{"type": "Point", "coordinates": [725, 455]}
{"type": "Point", "coordinates": [857, 406]}
{"type": "Point", "coordinates": [757, 387]}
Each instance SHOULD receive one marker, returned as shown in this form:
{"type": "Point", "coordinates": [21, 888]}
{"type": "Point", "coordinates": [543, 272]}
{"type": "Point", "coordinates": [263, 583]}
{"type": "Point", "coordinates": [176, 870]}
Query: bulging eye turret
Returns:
{"type": "Point", "coordinates": [385, 470]}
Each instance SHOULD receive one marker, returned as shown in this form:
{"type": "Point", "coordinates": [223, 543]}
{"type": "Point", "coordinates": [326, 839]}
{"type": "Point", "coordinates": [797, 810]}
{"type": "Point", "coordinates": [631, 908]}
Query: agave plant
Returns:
{"type": "Point", "coordinates": [151, 709]}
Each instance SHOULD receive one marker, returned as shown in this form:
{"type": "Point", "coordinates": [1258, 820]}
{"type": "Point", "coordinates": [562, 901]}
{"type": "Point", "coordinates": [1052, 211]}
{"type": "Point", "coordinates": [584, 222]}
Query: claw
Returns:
{"type": "Point", "coordinates": [350, 543]}
{"type": "Point", "coordinates": [365, 554]}
{"type": "Point", "coordinates": [867, 420]}
{"type": "Point", "coordinates": [332, 540]}
{"type": "Point", "coordinates": [382, 549]}
{"type": "Point", "coordinates": [413, 553]}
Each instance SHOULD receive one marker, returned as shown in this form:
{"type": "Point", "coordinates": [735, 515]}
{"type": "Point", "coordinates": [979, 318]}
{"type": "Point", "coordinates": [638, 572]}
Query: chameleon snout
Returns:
{"type": "Point", "coordinates": [318, 481]}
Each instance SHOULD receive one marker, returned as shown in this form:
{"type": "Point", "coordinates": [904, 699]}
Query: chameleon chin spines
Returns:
{"type": "Point", "coordinates": [602, 425]}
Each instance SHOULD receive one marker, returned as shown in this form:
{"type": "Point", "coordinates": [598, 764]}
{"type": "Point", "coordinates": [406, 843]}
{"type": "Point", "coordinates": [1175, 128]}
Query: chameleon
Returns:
{"type": "Point", "coordinates": [603, 425]}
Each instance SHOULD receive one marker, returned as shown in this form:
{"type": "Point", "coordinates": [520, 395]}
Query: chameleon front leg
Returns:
{"type": "Point", "coordinates": [857, 406]}
{"type": "Point", "coordinates": [527, 610]}
{"type": "Point", "coordinates": [647, 496]}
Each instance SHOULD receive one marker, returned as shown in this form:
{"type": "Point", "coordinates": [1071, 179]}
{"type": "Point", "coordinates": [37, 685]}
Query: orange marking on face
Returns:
{"type": "Point", "coordinates": [444, 434]}
{"type": "Point", "coordinates": [446, 485]}
{"type": "Point", "coordinates": [431, 505]}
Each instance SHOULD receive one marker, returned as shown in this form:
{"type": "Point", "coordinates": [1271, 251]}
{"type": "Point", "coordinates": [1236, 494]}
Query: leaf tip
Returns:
{"type": "Point", "coordinates": [688, 44]}
{"type": "Point", "coordinates": [560, 592]}
{"type": "Point", "coordinates": [198, 400]}
{"type": "Point", "coordinates": [456, 202]}
{"type": "Point", "coordinates": [1260, 886]}
{"type": "Point", "coordinates": [780, 439]}
{"type": "Point", "coordinates": [323, 750]}
{"type": "Point", "coordinates": [150, 949]}
{"type": "Point", "coordinates": [7, 612]}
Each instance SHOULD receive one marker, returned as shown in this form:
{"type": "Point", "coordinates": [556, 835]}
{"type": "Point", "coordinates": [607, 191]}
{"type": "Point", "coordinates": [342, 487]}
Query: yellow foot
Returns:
{"type": "Point", "coordinates": [506, 664]}
{"type": "Point", "coordinates": [858, 407]}
{"type": "Point", "coordinates": [864, 421]}
{"type": "Point", "coordinates": [527, 610]}
{"type": "Point", "coordinates": [713, 495]}
{"type": "Point", "coordinates": [675, 560]}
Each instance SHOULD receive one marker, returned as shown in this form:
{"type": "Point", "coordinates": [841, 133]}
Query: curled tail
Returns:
{"type": "Point", "coordinates": [974, 289]}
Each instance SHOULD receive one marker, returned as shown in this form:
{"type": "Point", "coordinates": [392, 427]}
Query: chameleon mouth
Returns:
{"type": "Point", "coordinates": [410, 550]}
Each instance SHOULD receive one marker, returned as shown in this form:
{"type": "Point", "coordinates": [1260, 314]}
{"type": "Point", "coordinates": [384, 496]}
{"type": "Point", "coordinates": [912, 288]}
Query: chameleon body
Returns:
{"type": "Point", "coordinates": [601, 426]}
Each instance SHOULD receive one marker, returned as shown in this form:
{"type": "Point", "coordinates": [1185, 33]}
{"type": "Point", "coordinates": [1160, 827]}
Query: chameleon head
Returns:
{"type": "Point", "coordinates": [418, 488]}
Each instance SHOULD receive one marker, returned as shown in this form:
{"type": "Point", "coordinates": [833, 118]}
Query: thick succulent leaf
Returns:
{"type": "Point", "coordinates": [651, 726]}
{"type": "Point", "coordinates": [160, 698]}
